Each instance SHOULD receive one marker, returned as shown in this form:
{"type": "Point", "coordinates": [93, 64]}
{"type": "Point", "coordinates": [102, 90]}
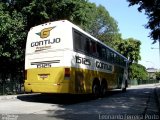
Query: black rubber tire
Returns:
{"type": "Point", "coordinates": [96, 90]}
{"type": "Point", "coordinates": [125, 88]}
{"type": "Point", "coordinates": [103, 89]}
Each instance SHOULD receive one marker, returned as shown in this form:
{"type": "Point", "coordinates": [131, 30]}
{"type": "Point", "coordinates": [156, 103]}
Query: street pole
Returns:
{"type": "Point", "coordinates": [159, 51]}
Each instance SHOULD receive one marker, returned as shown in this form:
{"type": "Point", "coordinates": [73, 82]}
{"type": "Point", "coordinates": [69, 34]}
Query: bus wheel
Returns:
{"type": "Point", "coordinates": [103, 89]}
{"type": "Point", "coordinates": [96, 90]}
{"type": "Point", "coordinates": [125, 88]}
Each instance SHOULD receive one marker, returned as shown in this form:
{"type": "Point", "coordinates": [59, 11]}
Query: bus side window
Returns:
{"type": "Point", "coordinates": [83, 42]}
{"type": "Point", "coordinates": [90, 46]}
{"type": "Point", "coordinates": [99, 51]}
{"type": "Point", "coordinates": [125, 63]}
{"type": "Point", "coordinates": [87, 45]}
{"type": "Point", "coordinates": [121, 61]}
{"type": "Point", "coordinates": [77, 41]}
{"type": "Point", "coordinates": [93, 49]}
{"type": "Point", "coordinates": [103, 50]}
{"type": "Point", "coordinates": [111, 57]}
{"type": "Point", "coordinates": [107, 54]}
{"type": "Point", "coordinates": [115, 58]}
{"type": "Point", "coordinates": [118, 59]}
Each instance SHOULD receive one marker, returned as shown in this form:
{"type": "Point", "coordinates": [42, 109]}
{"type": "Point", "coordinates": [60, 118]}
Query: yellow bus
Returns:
{"type": "Point", "coordinates": [62, 58]}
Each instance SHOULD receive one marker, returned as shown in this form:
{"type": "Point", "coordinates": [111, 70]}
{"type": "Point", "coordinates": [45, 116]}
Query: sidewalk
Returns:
{"type": "Point", "coordinates": [157, 96]}
{"type": "Point", "coordinates": [9, 97]}
{"type": "Point", "coordinates": [153, 104]}
{"type": "Point", "coordinates": [12, 97]}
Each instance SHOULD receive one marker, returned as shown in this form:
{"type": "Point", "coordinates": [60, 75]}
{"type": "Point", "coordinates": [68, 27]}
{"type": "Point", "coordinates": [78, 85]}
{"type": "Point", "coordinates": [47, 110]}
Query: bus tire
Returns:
{"type": "Point", "coordinates": [125, 88]}
{"type": "Point", "coordinates": [96, 90]}
{"type": "Point", "coordinates": [103, 89]}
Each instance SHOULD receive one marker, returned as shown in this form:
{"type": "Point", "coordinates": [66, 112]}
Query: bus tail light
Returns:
{"type": "Point", "coordinates": [67, 72]}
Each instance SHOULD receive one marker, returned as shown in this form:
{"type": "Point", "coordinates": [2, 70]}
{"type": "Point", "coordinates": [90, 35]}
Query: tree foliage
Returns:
{"type": "Point", "coordinates": [101, 23]}
{"type": "Point", "coordinates": [138, 72]}
{"type": "Point", "coordinates": [12, 39]}
{"type": "Point", "coordinates": [157, 75]}
{"type": "Point", "coordinates": [18, 16]}
{"type": "Point", "coordinates": [152, 10]}
{"type": "Point", "coordinates": [130, 48]}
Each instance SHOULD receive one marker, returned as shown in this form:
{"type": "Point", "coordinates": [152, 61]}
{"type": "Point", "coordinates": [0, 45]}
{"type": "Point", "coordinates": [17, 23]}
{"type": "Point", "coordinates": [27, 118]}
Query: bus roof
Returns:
{"type": "Point", "coordinates": [78, 28]}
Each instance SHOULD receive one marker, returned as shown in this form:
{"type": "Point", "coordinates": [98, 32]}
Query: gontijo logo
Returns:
{"type": "Point", "coordinates": [45, 32]}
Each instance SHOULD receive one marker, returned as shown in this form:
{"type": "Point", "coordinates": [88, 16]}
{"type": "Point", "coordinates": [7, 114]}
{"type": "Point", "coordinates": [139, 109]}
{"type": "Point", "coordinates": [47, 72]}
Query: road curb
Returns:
{"type": "Point", "coordinates": [157, 97]}
{"type": "Point", "coordinates": [8, 97]}
{"type": "Point", "coordinates": [12, 97]}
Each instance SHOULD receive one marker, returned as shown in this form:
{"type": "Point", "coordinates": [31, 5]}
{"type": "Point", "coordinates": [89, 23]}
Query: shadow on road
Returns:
{"type": "Point", "coordinates": [133, 102]}
{"type": "Point", "coordinates": [64, 99]}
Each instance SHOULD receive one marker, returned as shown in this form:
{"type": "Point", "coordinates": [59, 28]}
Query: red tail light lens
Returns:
{"type": "Point", "coordinates": [67, 72]}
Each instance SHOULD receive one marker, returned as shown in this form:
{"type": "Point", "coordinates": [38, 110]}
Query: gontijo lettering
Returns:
{"type": "Point", "coordinates": [45, 42]}
{"type": "Point", "coordinates": [104, 66]}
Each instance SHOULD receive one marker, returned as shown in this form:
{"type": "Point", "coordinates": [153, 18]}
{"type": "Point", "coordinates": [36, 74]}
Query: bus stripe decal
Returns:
{"type": "Point", "coordinates": [53, 61]}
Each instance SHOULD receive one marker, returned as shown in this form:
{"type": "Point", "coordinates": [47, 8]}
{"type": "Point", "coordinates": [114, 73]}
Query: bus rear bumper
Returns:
{"type": "Point", "coordinates": [47, 88]}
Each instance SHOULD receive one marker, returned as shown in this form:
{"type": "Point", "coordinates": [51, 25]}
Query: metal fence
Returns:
{"type": "Point", "coordinates": [140, 82]}
{"type": "Point", "coordinates": [11, 88]}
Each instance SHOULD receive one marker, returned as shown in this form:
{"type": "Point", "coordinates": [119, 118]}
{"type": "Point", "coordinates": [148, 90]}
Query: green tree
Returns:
{"type": "Point", "coordinates": [152, 10]}
{"type": "Point", "coordinates": [138, 72]}
{"type": "Point", "coordinates": [102, 24]}
{"type": "Point", "coordinates": [157, 75]}
{"type": "Point", "coordinates": [12, 39]}
{"type": "Point", "coordinates": [40, 11]}
{"type": "Point", "coordinates": [79, 12]}
{"type": "Point", "coordinates": [130, 48]}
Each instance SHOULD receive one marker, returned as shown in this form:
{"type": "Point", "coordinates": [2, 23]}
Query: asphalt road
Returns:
{"type": "Point", "coordinates": [138, 103]}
